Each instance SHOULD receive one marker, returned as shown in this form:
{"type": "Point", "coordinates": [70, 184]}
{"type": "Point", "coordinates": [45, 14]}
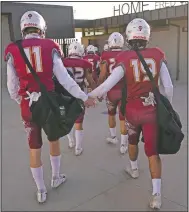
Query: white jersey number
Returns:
{"type": "Point", "coordinates": [34, 51]}
{"type": "Point", "coordinates": [78, 73]}
{"type": "Point", "coordinates": [138, 69]}
{"type": "Point", "coordinates": [92, 62]}
{"type": "Point", "coordinates": [112, 63]}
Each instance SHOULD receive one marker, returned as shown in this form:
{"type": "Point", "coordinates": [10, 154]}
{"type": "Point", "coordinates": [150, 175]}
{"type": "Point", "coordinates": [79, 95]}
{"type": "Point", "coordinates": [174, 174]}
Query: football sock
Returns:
{"type": "Point", "coordinates": [156, 184]}
{"type": "Point", "coordinates": [55, 164]}
{"type": "Point", "coordinates": [124, 139]}
{"type": "Point", "coordinates": [78, 138]}
{"type": "Point", "coordinates": [37, 174]}
{"type": "Point", "coordinates": [113, 132]}
{"type": "Point", "coordinates": [70, 135]}
{"type": "Point", "coordinates": [134, 164]}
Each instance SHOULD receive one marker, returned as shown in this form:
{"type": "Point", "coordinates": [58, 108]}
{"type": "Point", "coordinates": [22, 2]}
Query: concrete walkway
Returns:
{"type": "Point", "coordinates": [96, 180]}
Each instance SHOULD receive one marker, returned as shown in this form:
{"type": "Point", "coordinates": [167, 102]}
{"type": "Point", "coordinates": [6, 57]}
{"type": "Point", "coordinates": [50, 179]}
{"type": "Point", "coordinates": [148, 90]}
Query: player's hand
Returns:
{"type": "Point", "coordinates": [100, 98]}
{"type": "Point", "coordinates": [90, 102]}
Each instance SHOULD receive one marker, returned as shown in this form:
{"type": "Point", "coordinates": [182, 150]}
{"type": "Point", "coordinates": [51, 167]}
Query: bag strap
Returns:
{"type": "Point", "coordinates": [36, 77]}
{"type": "Point", "coordinates": [148, 72]}
{"type": "Point", "coordinates": [124, 96]}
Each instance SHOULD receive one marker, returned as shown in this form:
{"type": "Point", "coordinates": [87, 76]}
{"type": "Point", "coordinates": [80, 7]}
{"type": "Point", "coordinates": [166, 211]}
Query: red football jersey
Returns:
{"type": "Point", "coordinates": [78, 67]}
{"type": "Point", "coordinates": [93, 59]}
{"type": "Point", "coordinates": [39, 53]}
{"type": "Point", "coordinates": [138, 83]}
{"type": "Point", "coordinates": [109, 58]}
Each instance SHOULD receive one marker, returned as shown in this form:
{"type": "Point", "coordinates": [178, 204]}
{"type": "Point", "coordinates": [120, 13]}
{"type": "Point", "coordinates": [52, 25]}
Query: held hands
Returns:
{"type": "Point", "coordinates": [90, 102]}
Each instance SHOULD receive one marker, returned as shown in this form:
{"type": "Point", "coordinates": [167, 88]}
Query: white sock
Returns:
{"type": "Point", "coordinates": [78, 138]}
{"type": "Point", "coordinates": [55, 164]}
{"type": "Point", "coordinates": [37, 174]}
{"type": "Point", "coordinates": [70, 135]}
{"type": "Point", "coordinates": [113, 132]}
{"type": "Point", "coordinates": [124, 139]}
{"type": "Point", "coordinates": [156, 184]}
{"type": "Point", "coordinates": [134, 164]}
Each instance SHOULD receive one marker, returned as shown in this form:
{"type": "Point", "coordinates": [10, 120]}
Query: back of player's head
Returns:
{"type": "Point", "coordinates": [137, 34]}
{"type": "Point", "coordinates": [116, 41]}
{"type": "Point", "coordinates": [32, 22]}
{"type": "Point", "coordinates": [75, 49]}
{"type": "Point", "coordinates": [90, 49]}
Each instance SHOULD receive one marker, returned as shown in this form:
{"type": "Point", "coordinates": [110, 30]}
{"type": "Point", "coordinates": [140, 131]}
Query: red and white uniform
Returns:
{"type": "Point", "coordinates": [94, 59]}
{"type": "Point", "coordinates": [78, 67]}
{"type": "Point", "coordinates": [46, 57]}
{"type": "Point", "coordinates": [140, 109]}
{"type": "Point", "coordinates": [114, 95]}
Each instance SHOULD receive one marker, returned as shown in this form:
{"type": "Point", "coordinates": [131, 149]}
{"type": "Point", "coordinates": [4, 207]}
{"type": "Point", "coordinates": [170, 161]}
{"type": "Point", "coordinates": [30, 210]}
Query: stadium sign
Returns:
{"type": "Point", "coordinates": [136, 7]}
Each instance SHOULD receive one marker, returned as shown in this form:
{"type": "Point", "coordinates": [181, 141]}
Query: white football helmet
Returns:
{"type": "Point", "coordinates": [138, 29]}
{"type": "Point", "coordinates": [90, 49]}
{"type": "Point", "coordinates": [106, 47]}
{"type": "Point", "coordinates": [75, 49]}
{"type": "Point", "coordinates": [32, 19]}
{"type": "Point", "coordinates": [96, 49]}
{"type": "Point", "coordinates": [115, 40]}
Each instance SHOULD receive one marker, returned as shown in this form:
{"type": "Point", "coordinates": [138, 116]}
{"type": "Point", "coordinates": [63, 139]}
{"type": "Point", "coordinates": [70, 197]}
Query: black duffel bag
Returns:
{"type": "Point", "coordinates": [170, 134]}
{"type": "Point", "coordinates": [53, 112]}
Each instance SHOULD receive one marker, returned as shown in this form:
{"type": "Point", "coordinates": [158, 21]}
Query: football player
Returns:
{"type": "Point", "coordinates": [94, 59]}
{"type": "Point", "coordinates": [141, 105]}
{"type": "Point", "coordinates": [115, 43]}
{"type": "Point", "coordinates": [81, 70]}
{"type": "Point", "coordinates": [46, 58]}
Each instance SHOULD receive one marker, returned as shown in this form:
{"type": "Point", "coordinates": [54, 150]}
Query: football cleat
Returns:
{"type": "Point", "coordinates": [57, 181]}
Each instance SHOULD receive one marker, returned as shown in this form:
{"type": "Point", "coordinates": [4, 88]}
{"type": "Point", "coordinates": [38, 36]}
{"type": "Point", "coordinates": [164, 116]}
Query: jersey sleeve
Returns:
{"type": "Point", "coordinates": [58, 50]}
{"type": "Point", "coordinates": [162, 55]}
{"type": "Point", "coordinates": [7, 52]}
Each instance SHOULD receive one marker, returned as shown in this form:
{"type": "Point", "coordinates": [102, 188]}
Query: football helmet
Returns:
{"type": "Point", "coordinates": [90, 49]}
{"type": "Point", "coordinates": [138, 29]}
{"type": "Point", "coordinates": [115, 40]}
{"type": "Point", "coordinates": [96, 49]}
{"type": "Point", "coordinates": [75, 49]}
{"type": "Point", "coordinates": [32, 19]}
{"type": "Point", "coordinates": [106, 47]}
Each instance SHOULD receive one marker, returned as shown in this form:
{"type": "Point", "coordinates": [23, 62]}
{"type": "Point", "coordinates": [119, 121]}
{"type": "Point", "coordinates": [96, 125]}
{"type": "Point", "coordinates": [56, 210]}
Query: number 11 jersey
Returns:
{"type": "Point", "coordinates": [40, 54]}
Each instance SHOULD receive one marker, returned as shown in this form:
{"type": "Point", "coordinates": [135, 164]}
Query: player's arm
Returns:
{"type": "Point", "coordinates": [166, 81]}
{"type": "Point", "coordinates": [89, 78]}
{"type": "Point", "coordinates": [65, 80]}
{"type": "Point", "coordinates": [111, 81]}
{"type": "Point", "coordinates": [103, 72]}
{"type": "Point", "coordinates": [13, 83]}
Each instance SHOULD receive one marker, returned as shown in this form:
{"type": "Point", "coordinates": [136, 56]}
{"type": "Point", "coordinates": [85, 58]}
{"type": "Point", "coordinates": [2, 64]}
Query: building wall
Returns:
{"type": "Point", "coordinates": [59, 19]}
{"type": "Point", "coordinates": [183, 53]}
{"type": "Point", "coordinates": [5, 40]}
